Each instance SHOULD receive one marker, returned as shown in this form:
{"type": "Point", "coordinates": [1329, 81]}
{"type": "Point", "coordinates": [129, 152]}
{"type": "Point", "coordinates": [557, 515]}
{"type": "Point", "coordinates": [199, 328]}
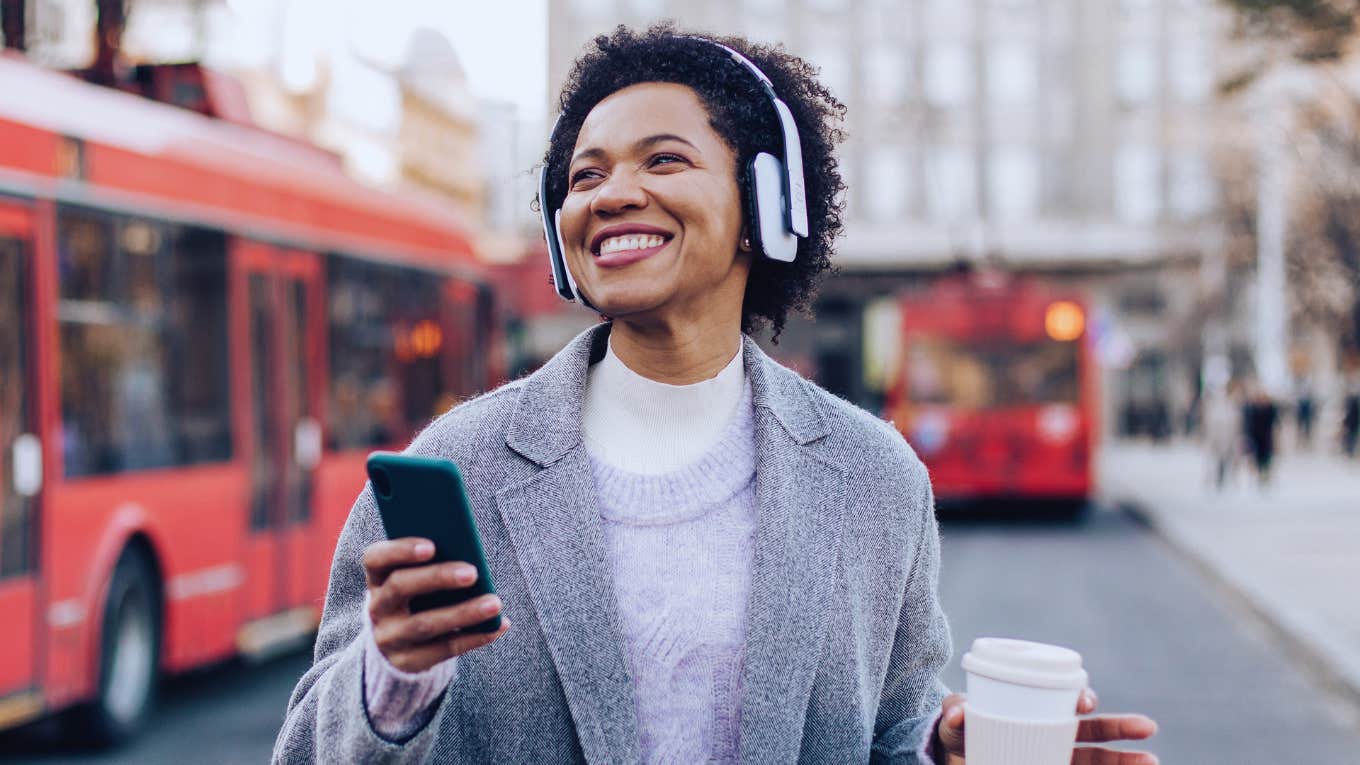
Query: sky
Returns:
{"type": "Point", "coordinates": [502, 43]}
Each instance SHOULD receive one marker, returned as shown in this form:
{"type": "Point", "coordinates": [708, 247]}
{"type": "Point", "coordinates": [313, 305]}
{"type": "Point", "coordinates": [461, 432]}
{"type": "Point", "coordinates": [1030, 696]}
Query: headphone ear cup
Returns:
{"type": "Point", "coordinates": [769, 222]}
{"type": "Point", "coordinates": [750, 206]}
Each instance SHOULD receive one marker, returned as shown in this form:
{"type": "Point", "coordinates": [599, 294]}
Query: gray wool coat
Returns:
{"type": "Point", "coordinates": [845, 638]}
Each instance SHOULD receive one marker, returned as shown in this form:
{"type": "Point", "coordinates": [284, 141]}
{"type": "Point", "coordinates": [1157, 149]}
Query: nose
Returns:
{"type": "Point", "coordinates": [619, 192]}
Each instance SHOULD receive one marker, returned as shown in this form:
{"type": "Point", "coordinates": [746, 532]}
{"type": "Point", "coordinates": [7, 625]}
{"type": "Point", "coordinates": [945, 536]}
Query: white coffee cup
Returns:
{"type": "Point", "coordinates": [1022, 702]}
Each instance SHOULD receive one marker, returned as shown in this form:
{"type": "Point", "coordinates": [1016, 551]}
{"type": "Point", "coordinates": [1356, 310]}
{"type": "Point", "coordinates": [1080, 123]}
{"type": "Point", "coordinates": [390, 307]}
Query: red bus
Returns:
{"type": "Point", "coordinates": [996, 390]}
{"type": "Point", "coordinates": [204, 328]}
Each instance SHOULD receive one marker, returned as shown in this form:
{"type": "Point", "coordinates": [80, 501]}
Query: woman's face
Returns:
{"type": "Point", "coordinates": [652, 217]}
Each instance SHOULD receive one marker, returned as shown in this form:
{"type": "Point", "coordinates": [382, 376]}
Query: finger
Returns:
{"type": "Point", "coordinates": [405, 583]}
{"type": "Point", "coordinates": [402, 632]}
{"type": "Point", "coordinates": [381, 557]}
{"type": "Point", "coordinates": [1116, 728]}
{"type": "Point", "coordinates": [421, 657]}
{"type": "Point", "coordinates": [1101, 756]}
{"type": "Point", "coordinates": [1086, 703]}
{"type": "Point", "coordinates": [951, 723]}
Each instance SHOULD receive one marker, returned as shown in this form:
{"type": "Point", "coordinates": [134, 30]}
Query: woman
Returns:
{"type": "Point", "coordinates": [704, 557]}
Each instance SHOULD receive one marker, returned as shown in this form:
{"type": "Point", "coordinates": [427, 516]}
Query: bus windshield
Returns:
{"type": "Point", "coordinates": [968, 375]}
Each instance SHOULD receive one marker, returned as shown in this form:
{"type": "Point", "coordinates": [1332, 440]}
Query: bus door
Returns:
{"type": "Point", "coordinates": [283, 311]}
{"type": "Point", "coordinates": [20, 470]}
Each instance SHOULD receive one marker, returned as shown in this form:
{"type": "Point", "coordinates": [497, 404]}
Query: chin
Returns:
{"type": "Point", "coordinates": [621, 300]}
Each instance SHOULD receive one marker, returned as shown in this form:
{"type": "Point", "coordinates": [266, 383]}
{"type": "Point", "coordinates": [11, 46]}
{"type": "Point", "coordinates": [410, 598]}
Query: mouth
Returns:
{"type": "Point", "coordinates": [622, 249]}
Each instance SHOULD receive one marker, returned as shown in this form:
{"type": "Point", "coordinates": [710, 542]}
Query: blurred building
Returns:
{"type": "Point", "coordinates": [1068, 137]}
{"type": "Point", "coordinates": [439, 139]}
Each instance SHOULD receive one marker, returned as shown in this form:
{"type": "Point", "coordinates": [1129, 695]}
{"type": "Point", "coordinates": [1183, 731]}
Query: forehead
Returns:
{"type": "Point", "coordinates": [645, 109]}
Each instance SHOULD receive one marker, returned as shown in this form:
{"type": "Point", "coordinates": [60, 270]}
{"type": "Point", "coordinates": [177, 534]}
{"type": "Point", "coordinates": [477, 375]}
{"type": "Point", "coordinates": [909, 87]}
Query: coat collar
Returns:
{"type": "Point", "coordinates": [553, 521]}
{"type": "Point", "coordinates": [546, 423]}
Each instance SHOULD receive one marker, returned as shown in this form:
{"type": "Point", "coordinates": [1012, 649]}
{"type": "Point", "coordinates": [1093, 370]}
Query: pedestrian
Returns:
{"type": "Point", "coordinates": [1260, 417]}
{"type": "Point", "coordinates": [1304, 411]}
{"type": "Point", "coordinates": [1222, 425]}
{"type": "Point", "coordinates": [1350, 416]}
{"type": "Point", "coordinates": [702, 556]}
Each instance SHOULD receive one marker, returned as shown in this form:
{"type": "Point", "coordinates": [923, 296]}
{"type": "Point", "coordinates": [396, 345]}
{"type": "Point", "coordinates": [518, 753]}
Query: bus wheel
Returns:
{"type": "Point", "coordinates": [129, 653]}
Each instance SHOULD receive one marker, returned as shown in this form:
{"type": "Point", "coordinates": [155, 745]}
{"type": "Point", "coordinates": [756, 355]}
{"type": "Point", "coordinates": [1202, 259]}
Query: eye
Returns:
{"type": "Point", "coordinates": [580, 176]}
{"type": "Point", "coordinates": [666, 159]}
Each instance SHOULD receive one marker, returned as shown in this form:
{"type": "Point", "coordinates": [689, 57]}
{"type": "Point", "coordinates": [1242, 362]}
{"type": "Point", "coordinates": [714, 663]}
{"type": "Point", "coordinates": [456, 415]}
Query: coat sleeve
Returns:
{"type": "Point", "coordinates": [912, 689]}
{"type": "Point", "coordinates": [327, 719]}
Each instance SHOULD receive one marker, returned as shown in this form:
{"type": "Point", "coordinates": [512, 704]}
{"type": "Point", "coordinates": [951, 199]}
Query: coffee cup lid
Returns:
{"type": "Point", "coordinates": [1021, 662]}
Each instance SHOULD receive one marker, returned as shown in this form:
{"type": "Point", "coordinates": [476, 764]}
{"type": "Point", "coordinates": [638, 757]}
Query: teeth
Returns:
{"type": "Point", "coordinates": [638, 242]}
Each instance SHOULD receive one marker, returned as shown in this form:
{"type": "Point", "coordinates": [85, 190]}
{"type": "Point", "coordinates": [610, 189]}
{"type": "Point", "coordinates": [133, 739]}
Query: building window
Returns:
{"type": "Point", "coordinates": [1137, 178]}
{"type": "Point", "coordinates": [948, 14]}
{"type": "Point", "coordinates": [143, 327]}
{"type": "Point", "coordinates": [889, 186]}
{"type": "Point", "coordinates": [647, 9]}
{"type": "Point", "coordinates": [766, 26]}
{"type": "Point", "coordinates": [1136, 74]}
{"type": "Point", "coordinates": [949, 74]}
{"type": "Point", "coordinates": [886, 75]}
{"type": "Point", "coordinates": [1136, 10]}
{"type": "Point", "coordinates": [835, 69]}
{"type": "Point", "coordinates": [592, 8]}
{"type": "Point", "coordinates": [1192, 71]}
{"type": "Point", "coordinates": [1012, 73]}
{"type": "Point", "coordinates": [951, 175]}
{"type": "Point", "coordinates": [1013, 184]}
{"type": "Point", "coordinates": [1192, 189]}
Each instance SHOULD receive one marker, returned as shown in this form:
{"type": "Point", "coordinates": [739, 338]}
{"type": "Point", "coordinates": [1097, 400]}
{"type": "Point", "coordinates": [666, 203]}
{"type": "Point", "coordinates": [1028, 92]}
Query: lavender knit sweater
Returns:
{"type": "Point", "coordinates": [679, 515]}
{"type": "Point", "coordinates": [680, 545]}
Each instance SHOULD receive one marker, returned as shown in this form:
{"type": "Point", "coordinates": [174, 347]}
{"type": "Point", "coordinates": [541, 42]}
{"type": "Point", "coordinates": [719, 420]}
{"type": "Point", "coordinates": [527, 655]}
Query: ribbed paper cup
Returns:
{"type": "Point", "coordinates": [994, 740]}
{"type": "Point", "coordinates": [1022, 702]}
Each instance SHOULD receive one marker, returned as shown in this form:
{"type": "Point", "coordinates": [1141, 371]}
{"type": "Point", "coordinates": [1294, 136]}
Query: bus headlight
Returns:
{"type": "Point", "coordinates": [1064, 321]}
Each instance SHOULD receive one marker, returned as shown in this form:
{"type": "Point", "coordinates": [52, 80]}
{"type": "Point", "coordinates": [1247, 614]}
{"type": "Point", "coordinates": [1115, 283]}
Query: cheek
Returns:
{"type": "Point", "coordinates": [572, 225]}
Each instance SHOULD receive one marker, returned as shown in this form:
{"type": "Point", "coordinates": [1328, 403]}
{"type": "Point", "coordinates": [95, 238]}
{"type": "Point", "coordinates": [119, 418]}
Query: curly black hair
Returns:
{"type": "Point", "coordinates": [741, 113]}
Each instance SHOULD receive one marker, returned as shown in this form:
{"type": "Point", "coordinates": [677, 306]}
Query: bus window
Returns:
{"type": "Point", "coordinates": [385, 340]}
{"type": "Point", "coordinates": [143, 318]}
{"type": "Point", "coordinates": [16, 511]}
{"type": "Point", "coordinates": [940, 371]}
{"type": "Point", "coordinates": [982, 375]}
{"type": "Point", "coordinates": [1042, 373]}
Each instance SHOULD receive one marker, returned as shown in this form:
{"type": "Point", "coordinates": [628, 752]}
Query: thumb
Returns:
{"type": "Point", "coordinates": [951, 727]}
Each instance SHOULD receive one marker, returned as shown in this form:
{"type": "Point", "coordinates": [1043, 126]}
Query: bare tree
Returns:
{"type": "Point", "coordinates": [1323, 246]}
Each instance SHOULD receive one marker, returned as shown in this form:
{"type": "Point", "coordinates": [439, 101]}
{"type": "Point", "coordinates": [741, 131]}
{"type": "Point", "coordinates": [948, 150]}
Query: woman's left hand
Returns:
{"type": "Point", "coordinates": [1100, 729]}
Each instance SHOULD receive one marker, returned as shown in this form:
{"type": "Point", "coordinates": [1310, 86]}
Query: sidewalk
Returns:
{"type": "Point", "coordinates": [1291, 551]}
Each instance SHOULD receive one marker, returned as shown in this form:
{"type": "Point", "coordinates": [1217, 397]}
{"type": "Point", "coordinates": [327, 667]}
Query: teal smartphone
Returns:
{"type": "Point", "coordinates": [425, 497]}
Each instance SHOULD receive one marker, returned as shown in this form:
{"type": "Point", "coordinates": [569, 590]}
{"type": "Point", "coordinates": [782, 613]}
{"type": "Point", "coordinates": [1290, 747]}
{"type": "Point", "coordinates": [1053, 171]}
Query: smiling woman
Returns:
{"type": "Point", "coordinates": [728, 119]}
{"type": "Point", "coordinates": [706, 557]}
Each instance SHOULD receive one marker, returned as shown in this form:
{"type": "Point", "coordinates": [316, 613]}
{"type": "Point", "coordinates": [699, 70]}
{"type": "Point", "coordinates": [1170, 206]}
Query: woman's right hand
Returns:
{"type": "Point", "coordinates": [396, 572]}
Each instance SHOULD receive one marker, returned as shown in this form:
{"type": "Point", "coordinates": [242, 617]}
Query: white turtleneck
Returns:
{"type": "Point", "coordinates": [647, 427]}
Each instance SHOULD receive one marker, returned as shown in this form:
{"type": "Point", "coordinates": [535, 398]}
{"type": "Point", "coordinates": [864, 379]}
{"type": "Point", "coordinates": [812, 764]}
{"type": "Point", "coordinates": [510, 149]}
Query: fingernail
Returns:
{"type": "Point", "coordinates": [466, 574]}
{"type": "Point", "coordinates": [423, 549]}
{"type": "Point", "coordinates": [490, 606]}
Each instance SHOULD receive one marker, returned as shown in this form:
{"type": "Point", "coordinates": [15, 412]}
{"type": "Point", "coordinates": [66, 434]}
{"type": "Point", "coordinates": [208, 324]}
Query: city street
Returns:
{"type": "Point", "coordinates": [1156, 639]}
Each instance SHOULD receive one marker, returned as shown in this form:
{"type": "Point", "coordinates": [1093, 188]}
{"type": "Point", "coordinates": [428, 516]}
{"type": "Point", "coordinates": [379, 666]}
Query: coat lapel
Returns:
{"type": "Point", "coordinates": [800, 500]}
{"type": "Point", "coordinates": [553, 521]}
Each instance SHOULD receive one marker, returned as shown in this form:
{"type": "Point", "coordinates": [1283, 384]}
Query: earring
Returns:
{"type": "Point", "coordinates": [746, 243]}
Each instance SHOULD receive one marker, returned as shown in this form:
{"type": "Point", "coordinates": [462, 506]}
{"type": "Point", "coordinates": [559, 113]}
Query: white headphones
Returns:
{"type": "Point", "coordinates": [771, 188]}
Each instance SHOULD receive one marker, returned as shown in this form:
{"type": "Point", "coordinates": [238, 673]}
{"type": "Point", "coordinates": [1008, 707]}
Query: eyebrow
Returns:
{"type": "Point", "coordinates": [643, 143]}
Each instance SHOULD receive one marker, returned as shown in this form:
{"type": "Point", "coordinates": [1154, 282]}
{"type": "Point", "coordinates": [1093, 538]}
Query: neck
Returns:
{"type": "Point", "coordinates": [675, 355]}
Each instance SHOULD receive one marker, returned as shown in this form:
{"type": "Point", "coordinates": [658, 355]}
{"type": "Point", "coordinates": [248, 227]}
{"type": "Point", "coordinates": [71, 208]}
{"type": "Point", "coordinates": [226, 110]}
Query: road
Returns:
{"type": "Point", "coordinates": [1156, 639]}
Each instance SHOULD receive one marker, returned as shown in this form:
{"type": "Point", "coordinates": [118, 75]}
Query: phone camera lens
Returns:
{"type": "Point", "coordinates": [382, 482]}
